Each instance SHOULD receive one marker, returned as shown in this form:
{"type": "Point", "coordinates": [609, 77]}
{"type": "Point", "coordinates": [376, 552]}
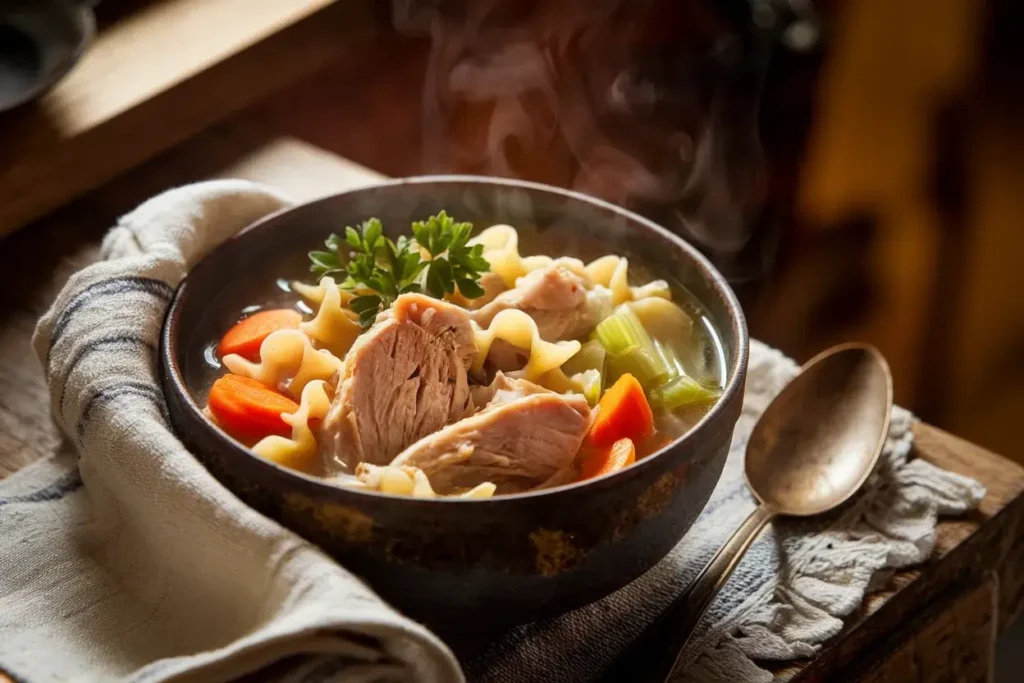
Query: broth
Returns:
{"type": "Point", "coordinates": [680, 374]}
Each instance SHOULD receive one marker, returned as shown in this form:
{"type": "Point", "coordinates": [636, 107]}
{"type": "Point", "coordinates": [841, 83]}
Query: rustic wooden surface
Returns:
{"type": "Point", "coordinates": [920, 614]}
{"type": "Point", "coordinates": [953, 643]}
{"type": "Point", "coordinates": [156, 75]}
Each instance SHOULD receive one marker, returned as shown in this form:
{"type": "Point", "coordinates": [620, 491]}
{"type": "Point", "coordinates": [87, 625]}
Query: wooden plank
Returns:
{"type": "Point", "coordinates": [300, 170]}
{"type": "Point", "coordinates": [954, 642]}
{"type": "Point", "coordinates": [1001, 542]}
{"type": "Point", "coordinates": [157, 77]}
{"type": "Point", "coordinates": [141, 55]}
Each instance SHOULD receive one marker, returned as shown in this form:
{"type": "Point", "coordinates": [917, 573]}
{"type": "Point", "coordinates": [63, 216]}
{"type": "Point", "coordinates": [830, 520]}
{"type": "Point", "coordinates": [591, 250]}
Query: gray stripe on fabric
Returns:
{"type": "Point", "coordinates": [68, 482]}
{"type": "Point", "coordinates": [112, 391]}
{"type": "Point", "coordinates": [110, 342]}
{"type": "Point", "coordinates": [119, 285]}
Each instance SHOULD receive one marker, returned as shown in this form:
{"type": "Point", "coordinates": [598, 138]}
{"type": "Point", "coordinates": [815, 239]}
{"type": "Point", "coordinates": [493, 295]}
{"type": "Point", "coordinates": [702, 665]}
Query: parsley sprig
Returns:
{"type": "Point", "coordinates": [453, 263]}
{"type": "Point", "coordinates": [380, 269]}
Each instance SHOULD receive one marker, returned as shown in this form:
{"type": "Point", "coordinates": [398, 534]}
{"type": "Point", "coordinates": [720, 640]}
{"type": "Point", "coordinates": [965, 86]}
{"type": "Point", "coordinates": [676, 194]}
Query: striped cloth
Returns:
{"type": "Point", "coordinates": [131, 562]}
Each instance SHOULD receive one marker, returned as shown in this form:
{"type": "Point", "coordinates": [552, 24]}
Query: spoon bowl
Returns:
{"type": "Point", "coordinates": [818, 441]}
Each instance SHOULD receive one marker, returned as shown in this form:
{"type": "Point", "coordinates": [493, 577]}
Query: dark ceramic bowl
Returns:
{"type": "Point", "coordinates": [458, 564]}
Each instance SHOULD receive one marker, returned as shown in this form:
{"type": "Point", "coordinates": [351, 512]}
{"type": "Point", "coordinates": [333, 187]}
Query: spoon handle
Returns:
{"type": "Point", "coordinates": [653, 655]}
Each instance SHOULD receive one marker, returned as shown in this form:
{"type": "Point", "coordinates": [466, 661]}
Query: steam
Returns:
{"type": "Point", "coordinates": [562, 92]}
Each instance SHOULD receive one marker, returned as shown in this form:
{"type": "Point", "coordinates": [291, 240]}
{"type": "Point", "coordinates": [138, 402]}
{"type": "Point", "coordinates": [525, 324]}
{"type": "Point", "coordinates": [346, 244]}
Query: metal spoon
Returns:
{"type": "Point", "coordinates": [810, 451]}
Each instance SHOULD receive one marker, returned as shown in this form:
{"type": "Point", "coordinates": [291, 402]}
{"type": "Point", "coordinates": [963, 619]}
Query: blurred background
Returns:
{"type": "Point", "coordinates": [855, 167]}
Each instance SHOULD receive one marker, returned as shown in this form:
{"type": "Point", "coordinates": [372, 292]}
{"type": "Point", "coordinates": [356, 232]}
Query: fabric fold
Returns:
{"type": "Point", "coordinates": [145, 568]}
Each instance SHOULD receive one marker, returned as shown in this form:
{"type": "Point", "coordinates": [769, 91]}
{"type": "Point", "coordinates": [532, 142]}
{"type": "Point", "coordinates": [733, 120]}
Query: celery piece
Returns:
{"type": "Point", "coordinates": [683, 391]}
{"type": "Point", "coordinates": [647, 369]}
{"type": "Point", "coordinates": [621, 331]}
{"type": "Point", "coordinates": [630, 349]}
{"type": "Point", "coordinates": [670, 359]}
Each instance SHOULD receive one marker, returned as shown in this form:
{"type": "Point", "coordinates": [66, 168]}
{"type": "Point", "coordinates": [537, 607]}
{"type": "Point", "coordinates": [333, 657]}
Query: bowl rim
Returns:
{"type": "Point", "coordinates": [734, 384]}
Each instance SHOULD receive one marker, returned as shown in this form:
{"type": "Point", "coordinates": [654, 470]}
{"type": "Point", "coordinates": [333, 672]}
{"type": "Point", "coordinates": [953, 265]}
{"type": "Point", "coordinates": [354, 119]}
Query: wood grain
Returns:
{"type": "Point", "coordinates": [980, 549]}
{"type": "Point", "coordinates": [953, 642]}
{"type": "Point", "coordinates": [157, 77]}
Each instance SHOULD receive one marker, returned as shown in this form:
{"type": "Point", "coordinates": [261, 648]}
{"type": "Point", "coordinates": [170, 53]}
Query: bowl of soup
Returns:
{"type": "Point", "coordinates": [493, 400]}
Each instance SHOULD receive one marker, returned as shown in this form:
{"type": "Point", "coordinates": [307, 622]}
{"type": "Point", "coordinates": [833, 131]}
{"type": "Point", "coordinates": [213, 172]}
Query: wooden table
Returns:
{"type": "Point", "coordinates": [936, 623]}
{"type": "Point", "coordinates": [157, 74]}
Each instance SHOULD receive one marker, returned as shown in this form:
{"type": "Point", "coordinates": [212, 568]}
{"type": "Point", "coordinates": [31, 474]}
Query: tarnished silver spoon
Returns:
{"type": "Point", "coordinates": [810, 451]}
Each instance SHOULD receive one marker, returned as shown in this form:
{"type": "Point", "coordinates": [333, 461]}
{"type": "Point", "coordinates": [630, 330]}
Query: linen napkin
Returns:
{"type": "Point", "coordinates": [137, 564]}
{"type": "Point", "coordinates": [134, 563]}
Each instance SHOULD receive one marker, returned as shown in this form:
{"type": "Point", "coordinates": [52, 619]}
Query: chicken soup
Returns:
{"type": "Point", "coordinates": [445, 363]}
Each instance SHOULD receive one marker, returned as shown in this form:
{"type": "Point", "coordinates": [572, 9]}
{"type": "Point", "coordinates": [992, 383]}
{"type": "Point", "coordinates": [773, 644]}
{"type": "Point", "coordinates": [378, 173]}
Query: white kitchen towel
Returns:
{"type": "Point", "coordinates": [133, 563]}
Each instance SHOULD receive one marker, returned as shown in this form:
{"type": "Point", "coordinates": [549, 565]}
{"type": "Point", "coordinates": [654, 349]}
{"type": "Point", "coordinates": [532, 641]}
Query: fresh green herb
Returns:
{"type": "Point", "coordinates": [452, 262]}
{"type": "Point", "coordinates": [380, 269]}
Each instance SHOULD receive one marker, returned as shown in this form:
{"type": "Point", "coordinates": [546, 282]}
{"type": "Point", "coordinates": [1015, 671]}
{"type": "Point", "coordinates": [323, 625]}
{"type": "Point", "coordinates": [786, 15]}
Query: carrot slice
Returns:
{"type": "Point", "coordinates": [247, 335]}
{"type": "Point", "coordinates": [600, 461]}
{"type": "Point", "coordinates": [247, 409]}
{"type": "Point", "coordinates": [622, 413]}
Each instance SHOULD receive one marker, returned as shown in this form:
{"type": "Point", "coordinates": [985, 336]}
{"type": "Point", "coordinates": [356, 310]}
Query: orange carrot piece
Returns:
{"type": "Point", "coordinates": [247, 335]}
{"type": "Point", "coordinates": [248, 410]}
{"type": "Point", "coordinates": [622, 413]}
{"type": "Point", "coordinates": [600, 461]}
